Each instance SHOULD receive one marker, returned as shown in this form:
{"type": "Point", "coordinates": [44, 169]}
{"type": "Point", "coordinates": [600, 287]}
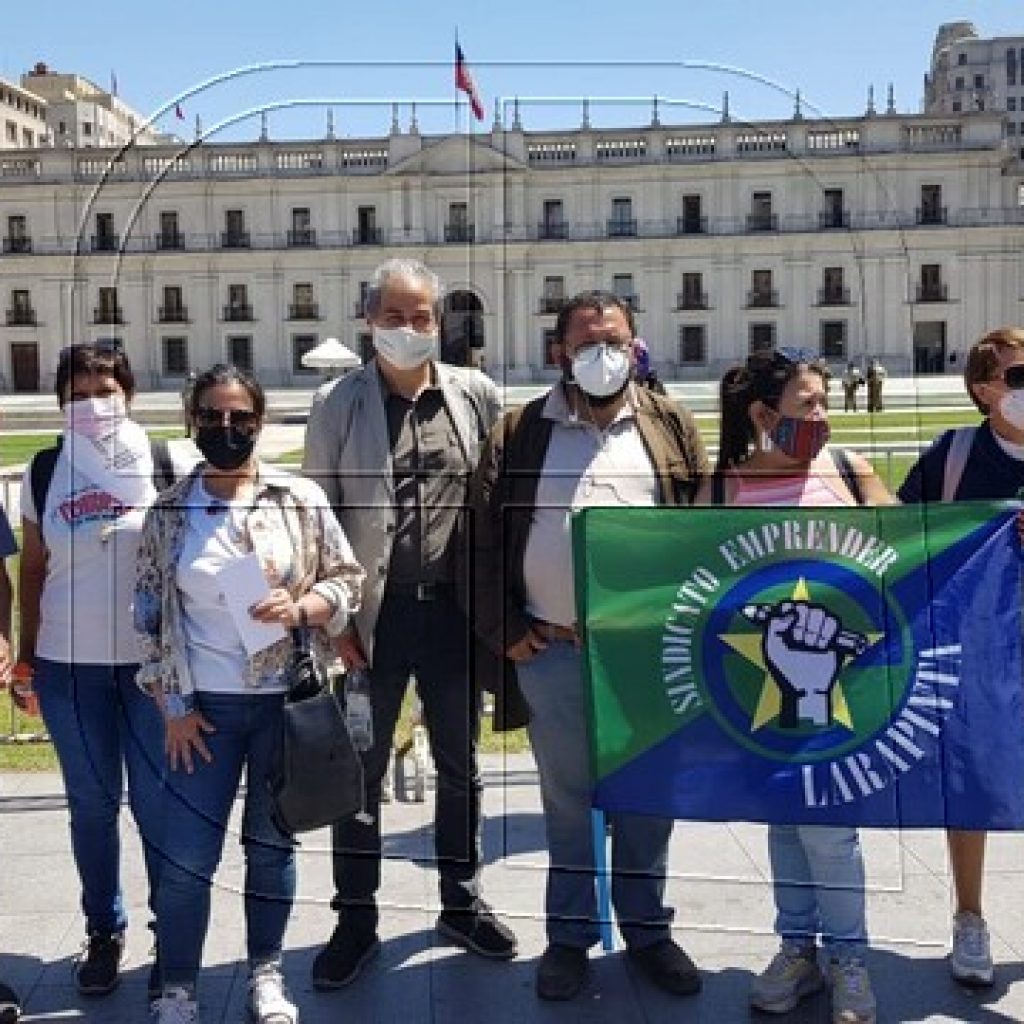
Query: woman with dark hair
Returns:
{"type": "Point", "coordinates": [221, 684]}
{"type": "Point", "coordinates": [773, 451]}
{"type": "Point", "coordinates": [83, 503]}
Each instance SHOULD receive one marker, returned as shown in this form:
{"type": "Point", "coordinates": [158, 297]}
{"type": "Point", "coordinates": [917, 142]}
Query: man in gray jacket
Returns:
{"type": "Point", "coordinates": [393, 445]}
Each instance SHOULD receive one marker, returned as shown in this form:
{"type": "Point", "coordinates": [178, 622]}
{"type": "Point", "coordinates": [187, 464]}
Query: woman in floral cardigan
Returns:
{"type": "Point", "coordinates": [222, 692]}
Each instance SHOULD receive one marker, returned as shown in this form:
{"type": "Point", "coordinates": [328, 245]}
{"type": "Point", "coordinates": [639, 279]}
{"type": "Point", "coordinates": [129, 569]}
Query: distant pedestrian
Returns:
{"type": "Point", "coordinates": [853, 380]}
{"type": "Point", "coordinates": [876, 378]}
{"type": "Point", "coordinates": [646, 375]}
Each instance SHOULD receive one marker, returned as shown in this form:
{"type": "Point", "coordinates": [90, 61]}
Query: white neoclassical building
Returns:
{"type": "Point", "coordinates": [889, 235]}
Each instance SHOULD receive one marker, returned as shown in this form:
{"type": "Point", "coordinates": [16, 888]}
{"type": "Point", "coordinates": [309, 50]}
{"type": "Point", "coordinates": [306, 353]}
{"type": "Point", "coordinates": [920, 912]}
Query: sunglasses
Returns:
{"type": "Point", "coordinates": [105, 346]}
{"type": "Point", "coordinates": [1013, 377]}
{"type": "Point", "coordinates": [245, 419]}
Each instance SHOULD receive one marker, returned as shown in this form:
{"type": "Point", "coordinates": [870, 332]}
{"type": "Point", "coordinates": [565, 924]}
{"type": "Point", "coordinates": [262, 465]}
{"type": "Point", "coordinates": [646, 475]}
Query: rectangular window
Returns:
{"type": "Point", "coordinates": [622, 288]}
{"type": "Point", "coordinates": [21, 300]}
{"type": "Point", "coordinates": [302, 294]}
{"type": "Point", "coordinates": [931, 211]}
{"type": "Point", "coordinates": [554, 294]}
{"type": "Point", "coordinates": [300, 218]}
{"type": "Point", "coordinates": [979, 81]}
{"type": "Point", "coordinates": [238, 294]}
{"type": "Point", "coordinates": [693, 222]}
{"type": "Point", "coordinates": [175, 356]}
{"type": "Point", "coordinates": [832, 340]}
{"type": "Point", "coordinates": [458, 228]}
{"type": "Point", "coordinates": [301, 344]}
{"type": "Point", "coordinates": [761, 281]}
{"type": "Point", "coordinates": [234, 221]}
{"type": "Point", "coordinates": [622, 208]}
{"type": "Point", "coordinates": [761, 217]}
{"type": "Point", "coordinates": [692, 295]}
{"type": "Point", "coordinates": [86, 128]}
{"type": "Point", "coordinates": [169, 223]}
{"type": "Point", "coordinates": [553, 212]}
{"type": "Point", "coordinates": [959, 83]}
{"type": "Point", "coordinates": [239, 351]}
{"type": "Point", "coordinates": [833, 214]}
{"type": "Point", "coordinates": [105, 225]}
{"type": "Point", "coordinates": [367, 231]}
{"type": "Point", "coordinates": [173, 309]}
{"type": "Point", "coordinates": [957, 106]}
{"type": "Point", "coordinates": [303, 307]}
{"type": "Point", "coordinates": [1011, 66]}
{"type": "Point", "coordinates": [931, 275]}
{"type": "Point", "coordinates": [548, 340]}
{"type": "Point", "coordinates": [17, 228]}
{"type": "Point", "coordinates": [108, 302]}
{"type": "Point", "coordinates": [693, 344]}
{"type": "Point", "coordinates": [761, 337]}
{"type": "Point", "coordinates": [1011, 103]}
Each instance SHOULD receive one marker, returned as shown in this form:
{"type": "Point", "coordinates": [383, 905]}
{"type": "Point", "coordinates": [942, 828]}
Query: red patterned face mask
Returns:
{"type": "Point", "coordinates": [800, 439]}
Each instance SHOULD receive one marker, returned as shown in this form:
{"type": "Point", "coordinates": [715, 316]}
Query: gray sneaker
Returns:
{"type": "Point", "coordinates": [853, 1001]}
{"type": "Point", "coordinates": [792, 975]}
{"type": "Point", "coordinates": [971, 958]}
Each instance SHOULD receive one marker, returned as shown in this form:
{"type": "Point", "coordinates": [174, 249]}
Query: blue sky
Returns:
{"type": "Point", "coordinates": [550, 54]}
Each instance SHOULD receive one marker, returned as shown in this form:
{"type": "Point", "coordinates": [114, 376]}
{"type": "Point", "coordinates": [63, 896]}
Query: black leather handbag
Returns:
{"type": "Point", "coordinates": [319, 778]}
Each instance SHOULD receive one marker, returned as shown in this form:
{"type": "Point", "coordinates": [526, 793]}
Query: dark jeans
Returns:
{"type": "Point", "coordinates": [427, 639]}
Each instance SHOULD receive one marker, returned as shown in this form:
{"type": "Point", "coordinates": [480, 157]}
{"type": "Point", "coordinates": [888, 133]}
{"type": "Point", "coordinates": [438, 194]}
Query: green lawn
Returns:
{"type": "Point", "coordinates": [17, 449]}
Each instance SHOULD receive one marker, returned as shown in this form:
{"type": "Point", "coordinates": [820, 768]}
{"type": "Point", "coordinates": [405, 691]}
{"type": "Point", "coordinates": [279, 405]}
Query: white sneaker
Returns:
{"type": "Point", "coordinates": [268, 1001]}
{"type": "Point", "coordinates": [971, 959]}
{"type": "Point", "coordinates": [853, 1000]}
{"type": "Point", "coordinates": [792, 975]}
{"type": "Point", "coordinates": [176, 1006]}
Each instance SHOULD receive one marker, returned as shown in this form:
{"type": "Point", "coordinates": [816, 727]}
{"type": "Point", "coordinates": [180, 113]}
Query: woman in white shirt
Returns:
{"type": "Point", "coordinates": [222, 688]}
{"type": "Point", "coordinates": [76, 588]}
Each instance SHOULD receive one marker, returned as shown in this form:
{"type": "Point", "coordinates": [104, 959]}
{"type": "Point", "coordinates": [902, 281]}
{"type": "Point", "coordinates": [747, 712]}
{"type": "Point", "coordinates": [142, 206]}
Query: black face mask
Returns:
{"type": "Point", "coordinates": [225, 448]}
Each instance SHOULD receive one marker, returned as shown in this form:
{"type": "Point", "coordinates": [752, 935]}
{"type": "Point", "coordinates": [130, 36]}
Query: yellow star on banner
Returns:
{"type": "Point", "coordinates": [748, 646]}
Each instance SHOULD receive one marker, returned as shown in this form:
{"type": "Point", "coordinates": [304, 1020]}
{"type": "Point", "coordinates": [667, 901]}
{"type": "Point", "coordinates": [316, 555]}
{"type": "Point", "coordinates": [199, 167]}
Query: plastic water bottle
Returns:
{"type": "Point", "coordinates": [358, 709]}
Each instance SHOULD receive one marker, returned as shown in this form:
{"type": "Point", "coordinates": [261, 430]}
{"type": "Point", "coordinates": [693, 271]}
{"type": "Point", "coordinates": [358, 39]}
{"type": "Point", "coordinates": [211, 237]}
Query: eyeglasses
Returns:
{"type": "Point", "coordinates": [1013, 377]}
{"type": "Point", "coordinates": [245, 419]}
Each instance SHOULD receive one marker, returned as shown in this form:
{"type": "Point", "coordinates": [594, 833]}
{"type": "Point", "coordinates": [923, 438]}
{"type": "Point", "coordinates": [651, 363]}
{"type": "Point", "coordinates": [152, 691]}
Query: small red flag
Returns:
{"type": "Point", "coordinates": [178, 112]}
{"type": "Point", "coordinates": [464, 81]}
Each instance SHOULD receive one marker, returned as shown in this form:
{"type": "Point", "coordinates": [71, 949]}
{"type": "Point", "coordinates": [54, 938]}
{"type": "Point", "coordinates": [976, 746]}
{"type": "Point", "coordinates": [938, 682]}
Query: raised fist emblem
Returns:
{"type": "Point", "coordinates": [804, 645]}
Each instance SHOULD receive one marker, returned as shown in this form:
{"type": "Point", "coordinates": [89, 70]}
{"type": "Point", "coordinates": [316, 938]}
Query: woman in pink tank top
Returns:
{"type": "Point", "coordinates": [773, 451]}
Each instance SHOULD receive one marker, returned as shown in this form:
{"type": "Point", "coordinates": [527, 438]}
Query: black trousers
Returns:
{"type": "Point", "coordinates": [429, 640]}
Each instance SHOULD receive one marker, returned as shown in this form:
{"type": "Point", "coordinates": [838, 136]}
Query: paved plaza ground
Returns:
{"type": "Point", "coordinates": [719, 888]}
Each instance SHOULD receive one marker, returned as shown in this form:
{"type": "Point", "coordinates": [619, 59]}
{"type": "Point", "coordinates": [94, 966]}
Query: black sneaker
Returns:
{"type": "Point", "coordinates": [98, 970]}
{"type": "Point", "coordinates": [562, 972]}
{"type": "Point", "coordinates": [668, 966]}
{"type": "Point", "coordinates": [10, 1005]}
{"type": "Point", "coordinates": [477, 929]}
{"type": "Point", "coordinates": [341, 961]}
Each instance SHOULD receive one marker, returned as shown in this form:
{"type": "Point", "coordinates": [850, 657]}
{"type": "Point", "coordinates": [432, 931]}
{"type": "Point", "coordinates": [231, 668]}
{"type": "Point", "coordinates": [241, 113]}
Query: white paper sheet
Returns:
{"type": "Point", "coordinates": [243, 584]}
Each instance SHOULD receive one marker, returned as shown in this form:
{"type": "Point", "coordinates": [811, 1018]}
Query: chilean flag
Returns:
{"type": "Point", "coordinates": [464, 81]}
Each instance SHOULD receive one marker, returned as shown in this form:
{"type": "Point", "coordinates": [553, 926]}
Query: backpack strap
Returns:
{"type": "Point", "coordinates": [40, 473]}
{"type": "Point", "coordinates": [717, 488]}
{"type": "Point", "coordinates": [848, 474]}
{"type": "Point", "coordinates": [163, 464]}
{"type": "Point", "coordinates": [960, 445]}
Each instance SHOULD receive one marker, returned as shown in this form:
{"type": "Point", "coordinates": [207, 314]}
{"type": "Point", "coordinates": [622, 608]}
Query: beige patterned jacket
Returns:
{"type": "Point", "coordinates": [300, 545]}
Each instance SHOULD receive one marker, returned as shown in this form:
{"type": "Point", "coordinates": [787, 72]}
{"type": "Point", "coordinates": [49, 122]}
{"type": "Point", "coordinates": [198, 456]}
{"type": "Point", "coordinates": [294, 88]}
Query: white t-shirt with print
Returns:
{"type": "Point", "coordinates": [216, 657]}
{"type": "Point", "coordinates": [85, 609]}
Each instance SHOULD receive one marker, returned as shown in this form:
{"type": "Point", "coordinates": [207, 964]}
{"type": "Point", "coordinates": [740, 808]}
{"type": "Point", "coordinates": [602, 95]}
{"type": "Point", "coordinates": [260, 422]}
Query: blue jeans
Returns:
{"type": "Point", "coordinates": [102, 725]}
{"type": "Point", "coordinates": [552, 683]}
{"type": "Point", "coordinates": [428, 639]}
{"type": "Point", "coordinates": [196, 809]}
{"type": "Point", "coordinates": [818, 875]}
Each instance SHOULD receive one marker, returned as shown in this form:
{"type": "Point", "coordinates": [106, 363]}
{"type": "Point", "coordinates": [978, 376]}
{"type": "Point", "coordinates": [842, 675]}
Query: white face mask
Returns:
{"type": "Point", "coordinates": [403, 347]}
{"type": "Point", "coordinates": [1011, 406]}
{"type": "Point", "coordinates": [601, 370]}
{"type": "Point", "coordinates": [95, 417]}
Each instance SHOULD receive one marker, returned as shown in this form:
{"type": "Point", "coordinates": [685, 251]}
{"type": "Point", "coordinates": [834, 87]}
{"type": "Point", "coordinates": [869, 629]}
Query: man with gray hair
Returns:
{"type": "Point", "coordinates": [393, 445]}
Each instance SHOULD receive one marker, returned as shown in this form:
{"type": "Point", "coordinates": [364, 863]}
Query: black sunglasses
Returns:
{"type": "Point", "coordinates": [105, 346]}
{"type": "Point", "coordinates": [1013, 376]}
{"type": "Point", "coordinates": [205, 416]}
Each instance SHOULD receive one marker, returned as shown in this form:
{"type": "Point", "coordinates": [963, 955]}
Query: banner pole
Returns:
{"type": "Point", "coordinates": [601, 879]}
